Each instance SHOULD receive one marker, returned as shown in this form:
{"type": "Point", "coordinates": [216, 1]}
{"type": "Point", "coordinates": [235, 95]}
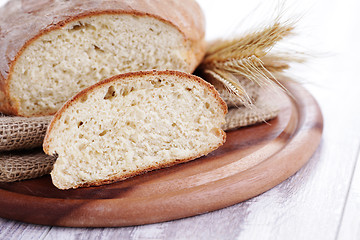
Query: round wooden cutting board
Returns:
{"type": "Point", "coordinates": [253, 160]}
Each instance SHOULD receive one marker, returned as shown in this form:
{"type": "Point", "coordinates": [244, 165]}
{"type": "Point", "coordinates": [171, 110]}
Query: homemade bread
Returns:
{"type": "Point", "coordinates": [133, 123]}
{"type": "Point", "coordinates": [52, 49]}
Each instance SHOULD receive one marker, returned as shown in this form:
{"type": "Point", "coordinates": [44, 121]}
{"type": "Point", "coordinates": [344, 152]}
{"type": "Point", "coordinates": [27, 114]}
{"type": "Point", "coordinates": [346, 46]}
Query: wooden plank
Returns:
{"type": "Point", "coordinates": [349, 228]}
{"type": "Point", "coordinates": [12, 230]}
{"type": "Point", "coordinates": [287, 211]}
{"type": "Point", "coordinates": [306, 206]}
{"type": "Point", "coordinates": [88, 233]}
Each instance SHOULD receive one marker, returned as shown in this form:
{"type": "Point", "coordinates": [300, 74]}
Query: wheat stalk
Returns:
{"type": "Point", "coordinates": [249, 56]}
{"type": "Point", "coordinates": [232, 84]}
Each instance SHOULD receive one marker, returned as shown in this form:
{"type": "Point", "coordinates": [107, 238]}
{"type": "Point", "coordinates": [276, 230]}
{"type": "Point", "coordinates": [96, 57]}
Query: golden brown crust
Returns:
{"type": "Point", "coordinates": [92, 88]}
{"type": "Point", "coordinates": [22, 22]}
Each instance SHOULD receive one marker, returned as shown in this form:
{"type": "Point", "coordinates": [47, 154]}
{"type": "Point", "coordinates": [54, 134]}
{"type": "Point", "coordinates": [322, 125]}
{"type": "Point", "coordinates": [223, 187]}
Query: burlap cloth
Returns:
{"type": "Point", "coordinates": [25, 164]}
{"type": "Point", "coordinates": [19, 133]}
{"type": "Point", "coordinates": [22, 133]}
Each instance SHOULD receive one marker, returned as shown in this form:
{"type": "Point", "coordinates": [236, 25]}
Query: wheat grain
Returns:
{"type": "Point", "coordinates": [249, 56]}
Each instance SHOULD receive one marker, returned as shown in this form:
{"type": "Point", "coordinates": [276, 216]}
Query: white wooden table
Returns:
{"type": "Point", "coordinates": [322, 200]}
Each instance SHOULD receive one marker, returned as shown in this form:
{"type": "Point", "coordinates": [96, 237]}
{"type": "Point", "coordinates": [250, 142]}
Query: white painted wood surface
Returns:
{"type": "Point", "coordinates": [322, 200]}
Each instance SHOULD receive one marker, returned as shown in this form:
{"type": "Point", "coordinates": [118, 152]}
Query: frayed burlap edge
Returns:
{"type": "Point", "coordinates": [243, 117]}
{"type": "Point", "coordinates": [22, 165]}
{"type": "Point", "coordinates": [267, 107]}
{"type": "Point", "coordinates": [22, 133]}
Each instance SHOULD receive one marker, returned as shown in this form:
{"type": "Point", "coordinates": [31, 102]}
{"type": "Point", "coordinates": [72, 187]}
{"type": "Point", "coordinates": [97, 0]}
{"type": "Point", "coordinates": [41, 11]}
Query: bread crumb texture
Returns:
{"type": "Point", "coordinates": [132, 124]}
{"type": "Point", "coordinates": [62, 62]}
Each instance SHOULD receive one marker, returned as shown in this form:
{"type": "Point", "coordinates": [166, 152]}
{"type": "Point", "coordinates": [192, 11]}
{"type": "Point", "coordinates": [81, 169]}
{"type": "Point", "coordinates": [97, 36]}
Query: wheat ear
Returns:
{"type": "Point", "coordinates": [248, 56]}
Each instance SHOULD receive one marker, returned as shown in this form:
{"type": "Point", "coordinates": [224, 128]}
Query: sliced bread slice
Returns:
{"type": "Point", "coordinates": [133, 123]}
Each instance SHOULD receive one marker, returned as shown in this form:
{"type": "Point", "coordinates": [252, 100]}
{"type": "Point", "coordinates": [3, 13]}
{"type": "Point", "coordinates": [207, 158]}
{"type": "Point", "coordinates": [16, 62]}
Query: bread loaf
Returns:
{"type": "Point", "coordinates": [51, 49]}
{"type": "Point", "coordinates": [133, 123]}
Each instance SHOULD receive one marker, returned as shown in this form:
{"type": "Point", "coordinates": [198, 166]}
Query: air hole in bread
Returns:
{"type": "Point", "coordinates": [131, 124]}
{"type": "Point", "coordinates": [81, 26]}
{"type": "Point", "coordinates": [157, 83]}
{"type": "Point", "coordinates": [80, 123]}
{"type": "Point", "coordinates": [126, 91]}
{"type": "Point", "coordinates": [98, 49]}
{"type": "Point", "coordinates": [103, 133]}
{"type": "Point", "coordinates": [77, 27]}
{"type": "Point", "coordinates": [110, 93]}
